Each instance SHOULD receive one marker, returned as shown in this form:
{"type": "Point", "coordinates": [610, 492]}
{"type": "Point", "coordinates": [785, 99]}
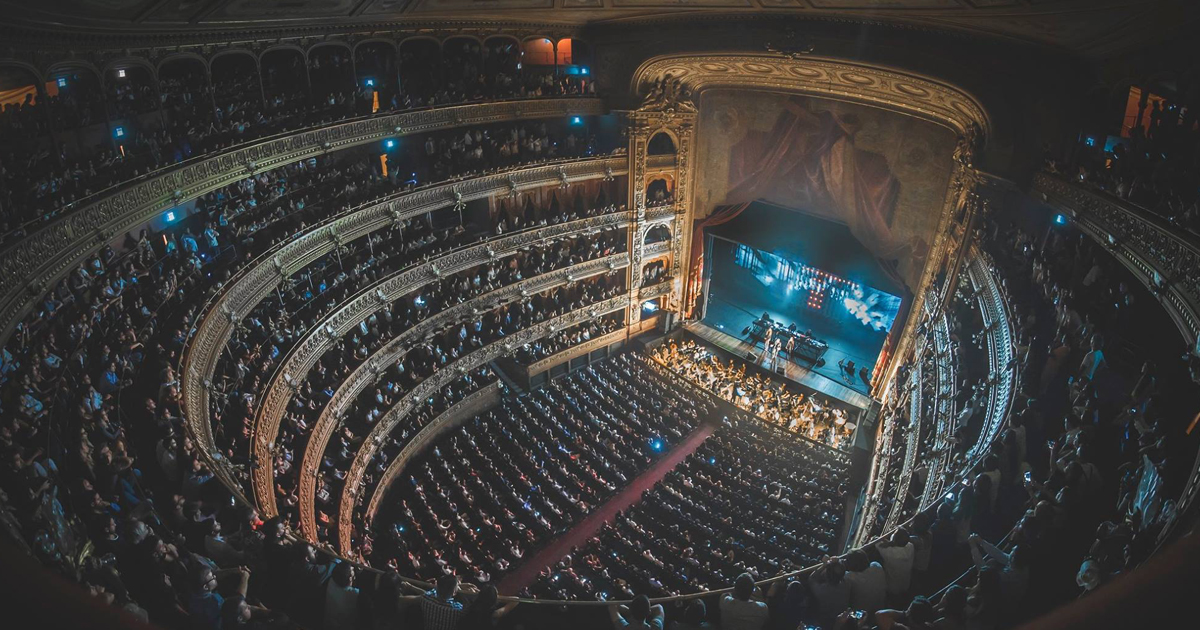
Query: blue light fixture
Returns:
{"type": "Point", "coordinates": [576, 120]}
{"type": "Point", "coordinates": [583, 71]}
{"type": "Point", "coordinates": [170, 216]}
{"type": "Point", "coordinates": [62, 82]}
{"type": "Point", "coordinates": [370, 82]}
{"type": "Point", "coordinates": [390, 144]}
{"type": "Point", "coordinates": [1060, 219]}
{"type": "Point", "coordinates": [119, 132]}
{"type": "Point", "coordinates": [656, 444]}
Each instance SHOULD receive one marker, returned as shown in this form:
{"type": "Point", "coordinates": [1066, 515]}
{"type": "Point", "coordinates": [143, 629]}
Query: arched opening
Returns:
{"type": "Point", "coordinates": [284, 78]}
{"type": "Point", "coordinates": [660, 191]}
{"type": "Point", "coordinates": [654, 272]}
{"type": "Point", "coordinates": [661, 144]}
{"type": "Point", "coordinates": [332, 74]}
{"type": "Point", "coordinates": [502, 65]}
{"type": "Point", "coordinates": [21, 115]}
{"type": "Point", "coordinates": [537, 54]}
{"type": "Point", "coordinates": [237, 88]}
{"type": "Point", "coordinates": [657, 234]}
{"type": "Point", "coordinates": [130, 90]}
{"type": "Point", "coordinates": [184, 84]}
{"type": "Point", "coordinates": [375, 75]}
{"type": "Point", "coordinates": [420, 59]}
{"type": "Point", "coordinates": [462, 63]}
{"type": "Point", "coordinates": [79, 101]}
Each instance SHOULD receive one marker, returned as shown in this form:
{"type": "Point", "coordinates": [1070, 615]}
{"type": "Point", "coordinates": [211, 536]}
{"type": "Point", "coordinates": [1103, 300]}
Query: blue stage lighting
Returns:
{"type": "Point", "coordinates": [583, 71]}
{"type": "Point", "coordinates": [119, 132]}
{"type": "Point", "coordinates": [657, 445]}
{"type": "Point", "coordinates": [1060, 219]}
{"type": "Point", "coordinates": [420, 301]}
{"type": "Point", "coordinates": [62, 82]}
{"type": "Point", "coordinates": [170, 216]}
{"type": "Point", "coordinates": [390, 144]}
{"type": "Point", "coordinates": [370, 82]}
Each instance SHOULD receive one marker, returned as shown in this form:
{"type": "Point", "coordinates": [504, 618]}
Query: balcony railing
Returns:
{"type": "Point", "coordinates": [259, 280]}
{"type": "Point", "coordinates": [29, 267]}
{"type": "Point", "coordinates": [366, 452]}
{"type": "Point", "coordinates": [361, 378]}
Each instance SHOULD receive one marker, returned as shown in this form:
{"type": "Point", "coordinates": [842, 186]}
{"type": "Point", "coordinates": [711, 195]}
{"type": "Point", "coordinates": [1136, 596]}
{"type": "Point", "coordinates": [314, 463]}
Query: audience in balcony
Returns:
{"type": "Point", "coordinates": [198, 115]}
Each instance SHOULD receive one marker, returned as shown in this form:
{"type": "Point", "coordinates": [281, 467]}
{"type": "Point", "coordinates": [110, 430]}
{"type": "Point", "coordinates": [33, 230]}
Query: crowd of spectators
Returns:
{"type": "Point", "coordinates": [749, 500]}
{"type": "Point", "coordinates": [187, 113]}
{"type": "Point", "coordinates": [1156, 166]}
{"type": "Point", "coordinates": [96, 452]}
{"type": "Point", "coordinates": [521, 474]}
{"type": "Point", "coordinates": [564, 340]}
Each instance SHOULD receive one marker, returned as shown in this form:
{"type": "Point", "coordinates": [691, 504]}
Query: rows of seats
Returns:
{"type": "Point", "coordinates": [89, 383]}
{"type": "Point", "coordinates": [518, 476]}
{"type": "Point", "coordinates": [750, 499]}
{"type": "Point", "coordinates": [275, 327]}
{"type": "Point", "coordinates": [185, 112]}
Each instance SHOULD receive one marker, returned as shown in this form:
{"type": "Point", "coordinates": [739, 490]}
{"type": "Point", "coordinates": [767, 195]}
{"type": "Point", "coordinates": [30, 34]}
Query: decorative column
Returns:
{"type": "Point", "coordinates": [667, 109]}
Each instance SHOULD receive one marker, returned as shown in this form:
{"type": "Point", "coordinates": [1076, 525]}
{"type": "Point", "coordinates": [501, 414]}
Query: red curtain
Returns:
{"type": "Point", "coordinates": [809, 160]}
{"type": "Point", "coordinates": [721, 215]}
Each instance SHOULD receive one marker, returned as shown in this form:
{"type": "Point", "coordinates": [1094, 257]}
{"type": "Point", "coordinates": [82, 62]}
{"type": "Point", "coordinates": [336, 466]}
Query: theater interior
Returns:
{"type": "Point", "coordinates": [587, 314]}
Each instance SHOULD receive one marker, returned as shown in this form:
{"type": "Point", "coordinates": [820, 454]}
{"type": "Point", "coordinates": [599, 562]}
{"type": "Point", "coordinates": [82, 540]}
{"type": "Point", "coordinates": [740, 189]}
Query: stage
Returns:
{"type": "Point", "coordinates": [812, 283]}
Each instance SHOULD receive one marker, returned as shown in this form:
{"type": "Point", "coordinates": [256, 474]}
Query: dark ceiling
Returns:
{"type": "Point", "coordinates": [1089, 27]}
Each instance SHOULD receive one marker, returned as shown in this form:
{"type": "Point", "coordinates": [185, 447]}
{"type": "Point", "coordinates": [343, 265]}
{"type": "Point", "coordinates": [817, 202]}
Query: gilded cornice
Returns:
{"type": "Point", "coordinates": [30, 267]}
{"type": "Point", "coordinates": [374, 367]}
{"type": "Point", "coordinates": [366, 452]}
{"type": "Point", "coordinates": [249, 287]}
{"type": "Point", "coordinates": [858, 82]}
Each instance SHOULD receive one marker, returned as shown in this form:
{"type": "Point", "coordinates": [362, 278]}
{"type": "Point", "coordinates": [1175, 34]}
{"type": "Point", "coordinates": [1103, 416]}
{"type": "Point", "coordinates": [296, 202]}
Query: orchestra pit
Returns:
{"type": "Point", "coordinates": [591, 314]}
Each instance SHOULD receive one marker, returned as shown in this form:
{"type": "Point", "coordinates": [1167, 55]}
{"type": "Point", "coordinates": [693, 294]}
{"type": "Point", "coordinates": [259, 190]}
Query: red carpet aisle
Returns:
{"type": "Point", "coordinates": [528, 571]}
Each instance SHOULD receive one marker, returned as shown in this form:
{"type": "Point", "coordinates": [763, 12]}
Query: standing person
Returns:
{"type": "Point", "coordinates": [898, 555]}
{"type": "Point", "coordinates": [868, 582]}
{"type": "Point", "coordinates": [439, 609]}
{"type": "Point", "coordinates": [639, 614]}
{"type": "Point", "coordinates": [341, 598]}
{"type": "Point", "coordinates": [830, 590]}
{"type": "Point", "coordinates": [739, 611]}
{"type": "Point", "coordinates": [694, 617]}
{"type": "Point", "coordinates": [485, 612]}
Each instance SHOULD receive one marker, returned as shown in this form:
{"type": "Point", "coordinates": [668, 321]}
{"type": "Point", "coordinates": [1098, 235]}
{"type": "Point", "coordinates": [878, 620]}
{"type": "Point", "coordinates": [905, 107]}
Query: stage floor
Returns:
{"type": "Point", "coordinates": [844, 345]}
{"type": "Point", "coordinates": [793, 371]}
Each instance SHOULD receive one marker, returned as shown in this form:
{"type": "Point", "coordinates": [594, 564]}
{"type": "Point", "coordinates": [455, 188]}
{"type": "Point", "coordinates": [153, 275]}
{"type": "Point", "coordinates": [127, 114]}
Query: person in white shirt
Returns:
{"type": "Point", "coordinates": [739, 611]}
{"type": "Point", "coordinates": [341, 598]}
{"type": "Point", "coordinates": [868, 582]}
{"type": "Point", "coordinates": [897, 554]}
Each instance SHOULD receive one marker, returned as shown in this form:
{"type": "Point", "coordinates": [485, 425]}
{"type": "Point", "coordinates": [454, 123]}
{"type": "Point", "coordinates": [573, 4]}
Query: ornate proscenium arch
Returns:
{"type": "Point", "coordinates": [673, 85]}
{"type": "Point", "coordinates": [673, 77]}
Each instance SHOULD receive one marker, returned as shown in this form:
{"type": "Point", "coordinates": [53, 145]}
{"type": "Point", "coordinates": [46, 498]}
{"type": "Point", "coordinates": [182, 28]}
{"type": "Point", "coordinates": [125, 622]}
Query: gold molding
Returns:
{"type": "Point", "coordinates": [874, 85]}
